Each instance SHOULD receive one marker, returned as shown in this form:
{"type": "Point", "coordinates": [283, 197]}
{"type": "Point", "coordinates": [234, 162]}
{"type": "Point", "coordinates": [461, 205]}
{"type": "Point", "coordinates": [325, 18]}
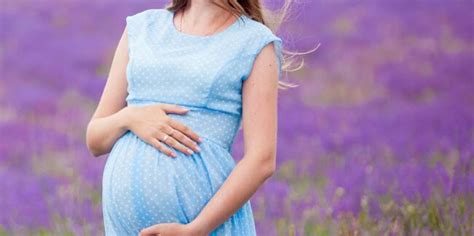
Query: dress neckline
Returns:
{"type": "Point", "coordinates": [193, 36]}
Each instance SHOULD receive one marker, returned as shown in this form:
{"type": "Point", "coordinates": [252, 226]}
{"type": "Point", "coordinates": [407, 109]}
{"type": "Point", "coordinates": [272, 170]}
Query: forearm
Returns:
{"type": "Point", "coordinates": [247, 176]}
{"type": "Point", "coordinates": [103, 132]}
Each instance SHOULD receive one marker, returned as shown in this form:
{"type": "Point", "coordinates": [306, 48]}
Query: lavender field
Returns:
{"type": "Point", "coordinates": [378, 139]}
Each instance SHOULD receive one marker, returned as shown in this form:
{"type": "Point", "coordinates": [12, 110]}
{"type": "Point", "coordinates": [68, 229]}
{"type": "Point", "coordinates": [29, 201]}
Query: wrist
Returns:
{"type": "Point", "coordinates": [123, 117]}
{"type": "Point", "coordinates": [197, 229]}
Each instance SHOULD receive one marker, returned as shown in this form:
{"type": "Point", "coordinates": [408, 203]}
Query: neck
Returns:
{"type": "Point", "coordinates": [203, 13]}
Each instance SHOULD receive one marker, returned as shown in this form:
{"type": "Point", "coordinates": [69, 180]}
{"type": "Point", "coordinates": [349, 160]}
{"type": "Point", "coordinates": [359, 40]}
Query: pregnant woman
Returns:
{"type": "Point", "coordinates": [183, 80]}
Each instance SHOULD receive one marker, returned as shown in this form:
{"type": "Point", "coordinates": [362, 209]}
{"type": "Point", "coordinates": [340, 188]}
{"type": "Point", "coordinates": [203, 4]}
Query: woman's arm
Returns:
{"type": "Point", "coordinates": [113, 117]}
{"type": "Point", "coordinates": [259, 100]}
{"type": "Point", "coordinates": [108, 122]}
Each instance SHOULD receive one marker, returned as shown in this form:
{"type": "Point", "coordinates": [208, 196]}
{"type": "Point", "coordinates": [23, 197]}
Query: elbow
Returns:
{"type": "Point", "coordinates": [92, 149]}
{"type": "Point", "coordinates": [269, 168]}
{"type": "Point", "coordinates": [268, 164]}
{"type": "Point", "coordinates": [91, 145]}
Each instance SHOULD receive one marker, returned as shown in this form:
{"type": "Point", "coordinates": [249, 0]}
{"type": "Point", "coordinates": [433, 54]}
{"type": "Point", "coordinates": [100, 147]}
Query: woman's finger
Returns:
{"type": "Point", "coordinates": [171, 141]}
{"type": "Point", "coordinates": [181, 139]}
{"type": "Point", "coordinates": [172, 108]}
{"type": "Point", "coordinates": [185, 140]}
{"type": "Point", "coordinates": [158, 145]}
{"type": "Point", "coordinates": [184, 129]}
{"type": "Point", "coordinates": [152, 230]}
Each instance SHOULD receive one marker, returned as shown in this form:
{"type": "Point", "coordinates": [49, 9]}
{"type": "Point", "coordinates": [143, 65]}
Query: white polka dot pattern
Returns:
{"type": "Point", "coordinates": [141, 185]}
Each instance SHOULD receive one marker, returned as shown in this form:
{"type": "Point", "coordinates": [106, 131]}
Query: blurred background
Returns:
{"type": "Point", "coordinates": [378, 139]}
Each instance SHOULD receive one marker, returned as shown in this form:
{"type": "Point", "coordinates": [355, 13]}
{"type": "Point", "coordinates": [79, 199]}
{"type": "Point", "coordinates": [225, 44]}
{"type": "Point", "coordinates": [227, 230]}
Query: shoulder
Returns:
{"type": "Point", "coordinates": [140, 20]}
{"type": "Point", "coordinates": [256, 28]}
{"type": "Point", "coordinates": [147, 16]}
{"type": "Point", "coordinates": [149, 12]}
{"type": "Point", "coordinates": [253, 29]}
{"type": "Point", "coordinates": [257, 35]}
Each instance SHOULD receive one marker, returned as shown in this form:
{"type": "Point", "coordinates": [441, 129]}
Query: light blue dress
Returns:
{"type": "Point", "coordinates": [143, 186]}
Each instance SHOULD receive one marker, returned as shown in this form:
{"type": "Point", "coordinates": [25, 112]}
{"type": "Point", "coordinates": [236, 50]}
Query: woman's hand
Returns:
{"type": "Point", "coordinates": [172, 229]}
{"type": "Point", "coordinates": [152, 124]}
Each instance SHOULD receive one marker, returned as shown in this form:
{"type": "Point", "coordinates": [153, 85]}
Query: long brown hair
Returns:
{"type": "Point", "coordinates": [256, 11]}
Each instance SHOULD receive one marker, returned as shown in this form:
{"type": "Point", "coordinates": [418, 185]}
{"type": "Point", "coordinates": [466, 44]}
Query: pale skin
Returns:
{"type": "Point", "coordinates": [113, 118]}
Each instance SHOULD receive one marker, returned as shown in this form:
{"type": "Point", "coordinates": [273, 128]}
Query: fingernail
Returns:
{"type": "Point", "coordinates": [198, 148]}
{"type": "Point", "coordinates": [190, 151]}
{"type": "Point", "coordinates": [200, 139]}
{"type": "Point", "coordinates": [173, 154]}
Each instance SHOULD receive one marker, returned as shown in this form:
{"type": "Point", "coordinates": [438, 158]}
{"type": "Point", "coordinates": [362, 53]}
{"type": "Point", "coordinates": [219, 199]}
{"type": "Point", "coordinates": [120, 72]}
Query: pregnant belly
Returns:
{"type": "Point", "coordinates": [142, 186]}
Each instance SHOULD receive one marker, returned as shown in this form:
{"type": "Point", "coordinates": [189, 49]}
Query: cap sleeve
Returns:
{"type": "Point", "coordinates": [265, 37]}
{"type": "Point", "coordinates": [136, 24]}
